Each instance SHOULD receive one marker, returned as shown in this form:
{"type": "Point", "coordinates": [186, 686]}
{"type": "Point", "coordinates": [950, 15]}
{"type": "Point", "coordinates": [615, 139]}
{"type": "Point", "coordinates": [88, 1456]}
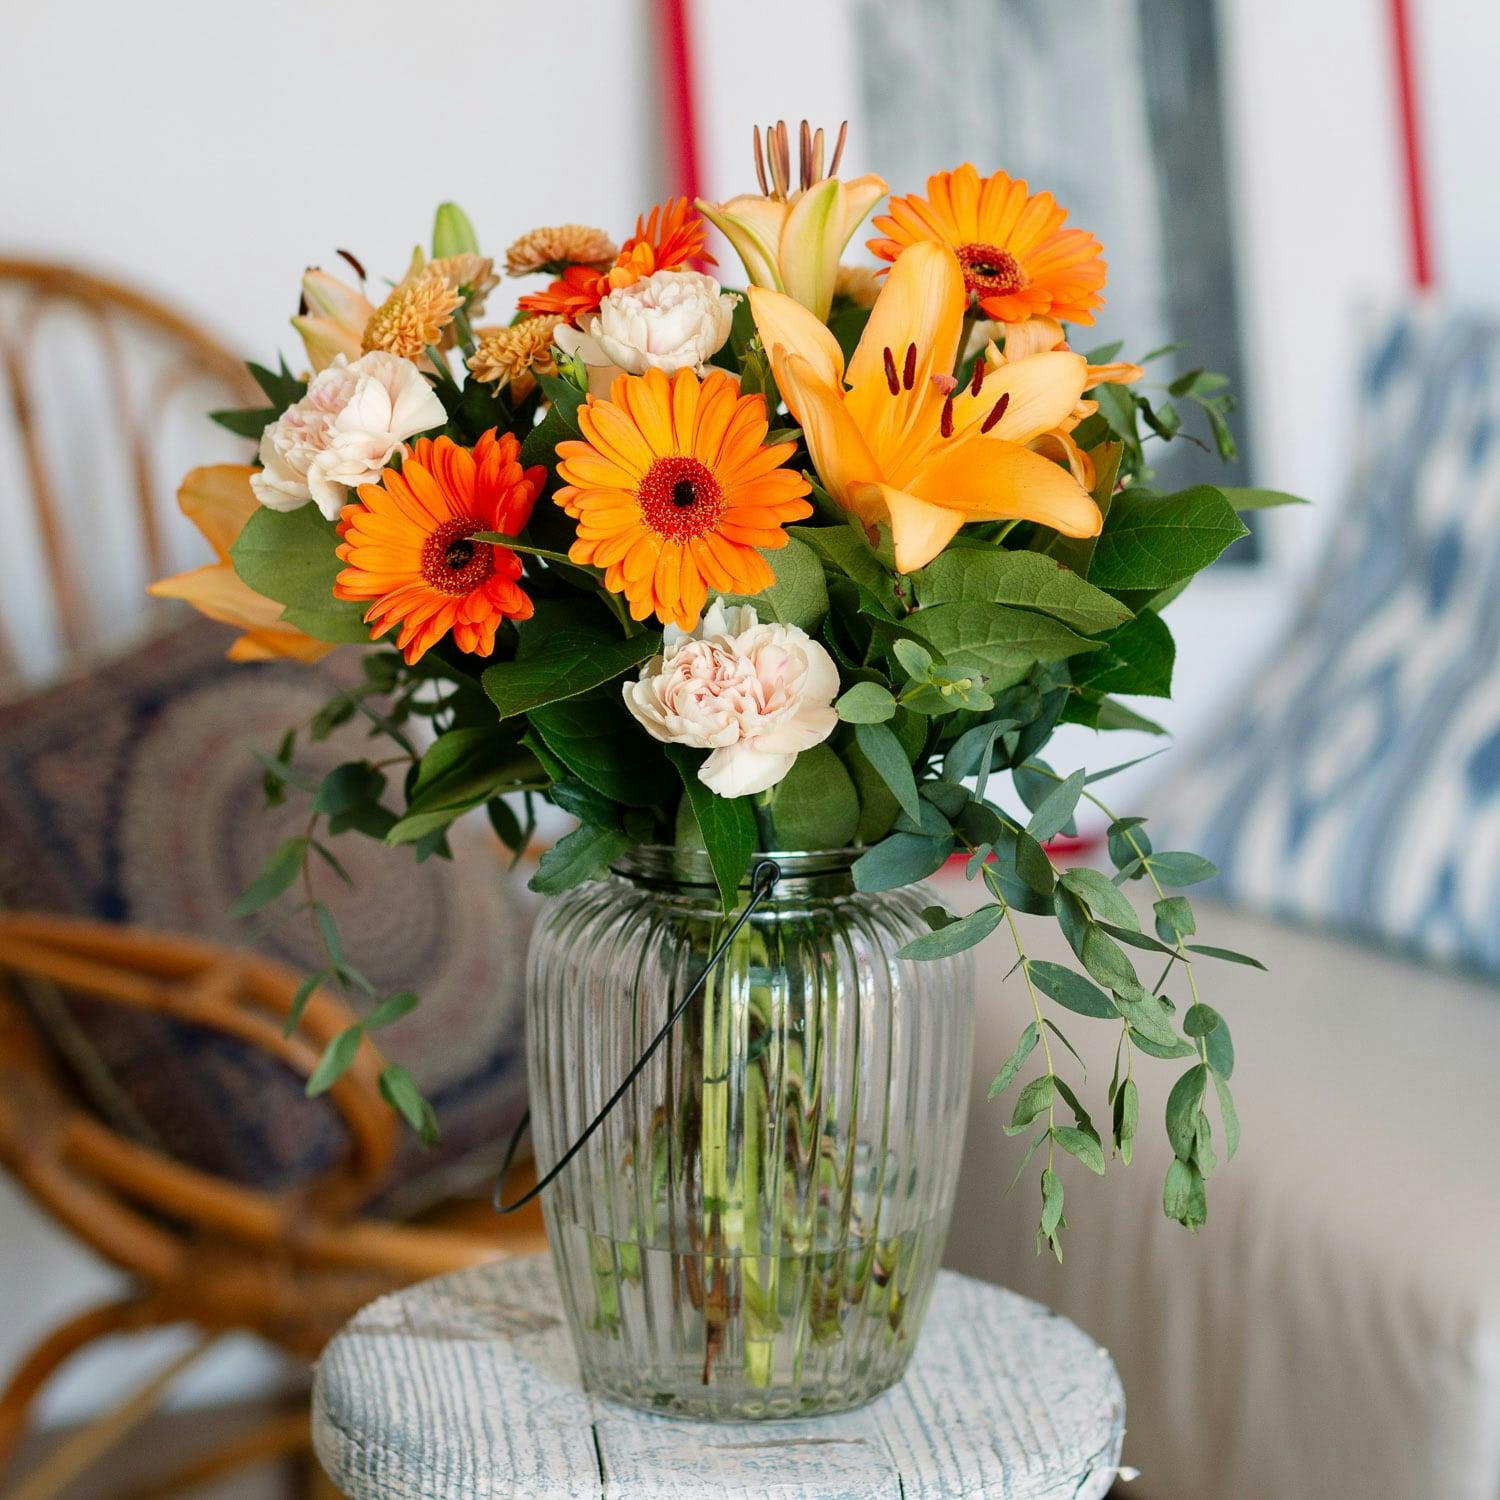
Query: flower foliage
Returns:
{"type": "Point", "coordinates": [827, 563]}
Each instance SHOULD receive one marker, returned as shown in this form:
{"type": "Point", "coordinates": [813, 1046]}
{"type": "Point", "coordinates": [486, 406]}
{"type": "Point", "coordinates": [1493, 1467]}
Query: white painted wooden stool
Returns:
{"type": "Point", "coordinates": [466, 1388]}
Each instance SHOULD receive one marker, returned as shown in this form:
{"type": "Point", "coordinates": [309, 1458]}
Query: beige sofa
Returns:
{"type": "Point", "coordinates": [1335, 1330]}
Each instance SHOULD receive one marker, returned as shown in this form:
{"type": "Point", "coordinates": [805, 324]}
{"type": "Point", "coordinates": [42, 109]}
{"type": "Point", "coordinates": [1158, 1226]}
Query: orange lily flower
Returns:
{"type": "Point", "coordinates": [902, 444]}
{"type": "Point", "coordinates": [218, 500]}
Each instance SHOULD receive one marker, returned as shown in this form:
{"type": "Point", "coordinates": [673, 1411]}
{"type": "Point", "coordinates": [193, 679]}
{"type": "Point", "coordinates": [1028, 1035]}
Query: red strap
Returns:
{"type": "Point", "coordinates": [679, 100]}
{"type": "Point", "coordinates": [1411, 145]}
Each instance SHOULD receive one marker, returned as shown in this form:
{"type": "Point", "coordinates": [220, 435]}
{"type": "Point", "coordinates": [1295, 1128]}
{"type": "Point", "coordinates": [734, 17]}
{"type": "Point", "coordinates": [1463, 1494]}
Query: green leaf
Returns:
{"type": "Point", "coordinates": [1243, 499]}
{"type": "Point", "coordinates": [846, 551]}
{"type": "Point", "coordinates": [727, 824]}
{"type": "Point", "coordinates": [289, 556]}
{"type": "Point", "coordinates": [1127, 842]}
{"type": "Point", "coordinates": [1026, 580]}
{"type": "Point", "coordinates": [958, 935]}
{"type": "Point", "coordinates": [885, 753]}
{"type": "Point", "coordinates": [1034, 1098]}
{"type": "Point", "coordinates": [1002, 644]}
{"type": "Point", "coordinates": [452, 233]}
{"type": "Point", "coordinates": [1052, 1200]}
{"type": "Point", "coordinates": [901, 859]}
{"type": "Point", "coordinates": [572, 661]}
{"type": "Point", "coordinates": [1230, 1117]}
{"type": "Point", "coordinates": [328, 930]}
{"type": "Point", "coordinates": [1102, 896]}
{"type": "Point", "coordinates": [340, 621]}
{"type": "Point", "coordinates": [1084, 1147]}
{"type": "Point", "coordinates": [815, 805]}
{"type": "Point", "coordinates": [1127, 1114]}
{"type": "Point", "coordinates": [400, 1091]}
{"type": "Point", "coordinates": [596, 738]}
{"type": "Point", "coordinates": [1013, 1064]}
{"type": "Point", "coordinates": [276, 877]}
{"type": "Point", "coordinates": [1177, 1190]}
{"type": "Point", "coordinates": [1150, 541]}
{"type": "Point", "coordinates": [336, 1060]}
{"type": "Point", "coordinates": [305, 991]}
{"type": "Point", "coordinates": [1227, 954]}
{"type": "Point", "coordinates": [1174, 917]}
{"type": "Point", "coordinates": [584, 854]}
{"type": "Point", "coordinates": [1071, 991]}
{"type": "Point", "coordinates": [1077, 553]}
{"type": "Point", "coordinates": [798, 596]}
{"type": "Point", "coordinates": [1136, 659]}
{"type": "Point", "coordinates": [1151, 1022]}
{"type": "Point", "coordinates": [1200, 1020]}
{"type": "Point", "coordinates": [1182, 1110]}
{"type": "Point", "coordinates": [353, 784]}
{"type": "Point", "coordinates": [1056, 809]}
{"type": "Point", "coordinates": [246, 421]}
{"type": "Point", "coordinates": [866, 703]}
{"type": "Point", "coordinates": [1178, 867]}
{"type": "Point", "coordinates": [1219, 1047]}
{"type": "Point", "coordinates": [392, 1008]}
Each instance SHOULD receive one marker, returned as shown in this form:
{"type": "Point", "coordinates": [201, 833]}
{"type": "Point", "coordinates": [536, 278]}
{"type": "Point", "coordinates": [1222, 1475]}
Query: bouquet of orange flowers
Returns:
{"type": "Point", "coordinates": [804, 566]}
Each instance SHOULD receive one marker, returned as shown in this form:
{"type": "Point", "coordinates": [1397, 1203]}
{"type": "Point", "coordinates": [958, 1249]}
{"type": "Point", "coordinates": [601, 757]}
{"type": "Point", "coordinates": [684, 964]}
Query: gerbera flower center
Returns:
{"type": "Point", "coordinates": [679, 497]}
{"type": "Point", "coordinates": [453, 564]}
{"type": "Point", "coordinates": [990, 271]}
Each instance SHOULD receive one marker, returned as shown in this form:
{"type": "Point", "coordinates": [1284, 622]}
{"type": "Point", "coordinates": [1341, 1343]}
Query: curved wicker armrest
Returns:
{"type": "Point", "coordinates": [234, 992]}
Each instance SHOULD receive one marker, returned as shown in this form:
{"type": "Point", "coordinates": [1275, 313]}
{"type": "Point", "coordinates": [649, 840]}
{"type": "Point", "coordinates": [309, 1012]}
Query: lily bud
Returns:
{"type": "Point", "coordinates": [791, 239]}
{"type": "Point", "coordinates": [452, 233]}
{"type": "Point", "coordinates": [335, 320]}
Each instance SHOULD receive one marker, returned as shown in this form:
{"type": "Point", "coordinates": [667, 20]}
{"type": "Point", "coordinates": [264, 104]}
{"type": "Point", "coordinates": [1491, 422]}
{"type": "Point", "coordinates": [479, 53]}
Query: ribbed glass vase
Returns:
{"type": "Point", "coordinates": [755, 1229]}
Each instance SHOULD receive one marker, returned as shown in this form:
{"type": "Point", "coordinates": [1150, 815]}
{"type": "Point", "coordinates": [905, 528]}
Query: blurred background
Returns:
{"type": "Point", "coordinates": [1274, 182]}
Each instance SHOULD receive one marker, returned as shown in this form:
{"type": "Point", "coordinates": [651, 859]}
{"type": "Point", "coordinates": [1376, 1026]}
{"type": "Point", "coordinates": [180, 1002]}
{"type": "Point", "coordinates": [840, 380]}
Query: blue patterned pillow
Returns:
{"type": "Point", "coordinates": [1358, 783]}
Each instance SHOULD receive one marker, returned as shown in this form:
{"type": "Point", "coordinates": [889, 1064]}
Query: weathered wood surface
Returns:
{"type": "Point", "coordinates": [466, 1388]}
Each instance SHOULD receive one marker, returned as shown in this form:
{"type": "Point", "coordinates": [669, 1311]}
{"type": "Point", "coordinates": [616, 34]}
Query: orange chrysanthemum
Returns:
{"type": "Point", "coordinates": [1017, 259]}
{"type": "Point", "coordinates": [407, 544]}
{"type": "Point", "coordinates": [674, 490]}
{"type": "Point", "coordinates": [670, 238]}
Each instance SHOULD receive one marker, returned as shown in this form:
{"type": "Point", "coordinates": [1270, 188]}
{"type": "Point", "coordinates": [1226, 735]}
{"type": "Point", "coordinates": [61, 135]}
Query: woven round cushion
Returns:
{"type": "Point", "coordinates": [132, 794]}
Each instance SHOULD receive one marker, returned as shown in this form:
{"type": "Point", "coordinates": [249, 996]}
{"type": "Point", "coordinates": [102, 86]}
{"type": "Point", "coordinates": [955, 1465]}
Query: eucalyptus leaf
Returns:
{"type": "Point", "coordinates": [1084, 1147]}
{"type": "Point", "coordinates": [1178, 867]}
{"type": "Point", "coordinates": [900, 859]}
{"type": "Point", "coordinates": [956, 936]}
{"type": "Point", "coordinates": [274, 879]}
{"type": "Point", "coordinates": [1182, 1110]}
{"type": "Point", "coordinates": [885, 753]}
{"type": "Point", "coordinates": [1002, 644]}
{"type": "Point", "coordinates": [338, 1056]}
{"type": "Point", "coordinates": [1102, 896]}
{"type": "Point", "coordinates": [866, 703]}
{"type": "Point", "coordinates": [1071, 991]}
{"type": "Point", "coordinates": [1228, 955]}
{"type": "Point", "coordinates": [1013, 1064]}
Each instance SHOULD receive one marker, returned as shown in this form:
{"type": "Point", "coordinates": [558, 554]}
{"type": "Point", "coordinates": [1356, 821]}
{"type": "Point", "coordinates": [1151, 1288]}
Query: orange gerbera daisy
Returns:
{"type": "Point", "coordinates": [1017, 259]}
{"type": "Point", "coordinates": [407, 544]}
{"type": "Point", "coordinates": [675, 488]}
{"type": "Point", "coordinates": [670, 238]}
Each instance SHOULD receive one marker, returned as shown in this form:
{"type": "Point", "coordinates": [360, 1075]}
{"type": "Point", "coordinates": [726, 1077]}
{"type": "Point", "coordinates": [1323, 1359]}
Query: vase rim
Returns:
{"type": "Point", "coordinates": [666, 864]}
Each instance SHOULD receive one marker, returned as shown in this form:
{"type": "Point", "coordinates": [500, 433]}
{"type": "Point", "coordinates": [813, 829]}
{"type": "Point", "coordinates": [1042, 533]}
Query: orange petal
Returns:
{"type": "Point", "coordinates": [839, 453]}
{"type": "Point", "coordinates": [1042, 390]}
{"type": "Point", "coordinates": [782, 322]}
{"type": "Point", "coordinates": [218, 500]}
{"type": "Point", "coordinates": [919, 528]}
{"type": "Point", "coordinates": [988, 479]}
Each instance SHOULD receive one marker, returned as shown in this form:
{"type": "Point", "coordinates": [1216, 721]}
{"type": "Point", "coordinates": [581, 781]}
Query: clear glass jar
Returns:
{"type": "Point", "coordinates": [755, 1229]}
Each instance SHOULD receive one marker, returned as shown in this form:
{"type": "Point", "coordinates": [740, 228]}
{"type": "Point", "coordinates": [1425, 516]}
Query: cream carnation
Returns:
{"type": "Point", "coordinates": [343, 432]}
{"type": "Point", "coordinates": [669, 321]}
{"type": "Point", "coordinates": [753, 694]}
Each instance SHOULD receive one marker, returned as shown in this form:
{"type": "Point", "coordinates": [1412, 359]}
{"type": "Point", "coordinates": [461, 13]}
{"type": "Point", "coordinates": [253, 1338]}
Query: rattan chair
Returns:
{"type": "Point", "coordinates": [197, 1250]}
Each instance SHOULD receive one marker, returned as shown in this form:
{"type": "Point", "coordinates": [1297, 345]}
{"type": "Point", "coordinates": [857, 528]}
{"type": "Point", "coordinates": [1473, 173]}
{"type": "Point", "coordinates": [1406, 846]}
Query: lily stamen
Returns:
{"type": "Point", "coordinates": [945, 423]}
{"type": "Point", "coordinates": [996, 412]}
{"type": "Point", "coordinates": [909, 369]}
{"type": "Point", "coordinates": [980, 371]}
{"type": "Point", "coordinates": [890, 372]}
